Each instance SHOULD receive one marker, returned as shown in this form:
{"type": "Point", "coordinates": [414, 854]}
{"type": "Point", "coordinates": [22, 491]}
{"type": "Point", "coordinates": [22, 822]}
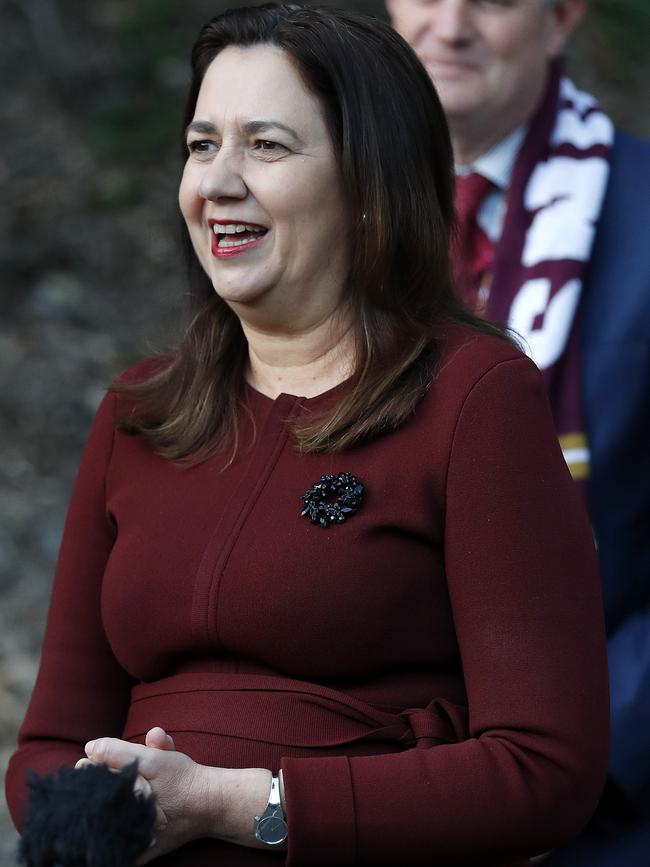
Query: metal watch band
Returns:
{"type": "Point", "coordinates": [271, 826]}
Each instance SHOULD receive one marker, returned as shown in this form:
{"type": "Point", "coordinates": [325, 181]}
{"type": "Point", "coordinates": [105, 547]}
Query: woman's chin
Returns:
{"type": "Point", "coordinates": [241, 297]}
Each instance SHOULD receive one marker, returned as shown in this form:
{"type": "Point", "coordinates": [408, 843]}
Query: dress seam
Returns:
{"type": "Point", "coordinates": [215, 588]}
{"type": "Point", "coordinates": [228, 527]}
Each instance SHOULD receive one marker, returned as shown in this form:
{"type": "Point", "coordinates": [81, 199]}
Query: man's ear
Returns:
{"type": "Point", "coordinates": [567, 15]}
{"type": "Point", "coordinates": [391, 6]}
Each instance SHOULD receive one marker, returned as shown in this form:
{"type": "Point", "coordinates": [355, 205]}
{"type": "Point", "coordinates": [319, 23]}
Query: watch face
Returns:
{"type": "Point", "coordinates": [272, 830]}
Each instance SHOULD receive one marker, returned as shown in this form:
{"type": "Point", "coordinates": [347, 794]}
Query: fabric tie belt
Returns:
{"type": "Point", "coordinates": [276, 710]}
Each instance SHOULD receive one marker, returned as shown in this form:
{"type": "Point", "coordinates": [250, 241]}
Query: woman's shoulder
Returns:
{"type": "Point", "coordinates": [483, 382]}
{"type": "Point", "coordinates": [131, 388]}
{"type": "Point", "coordinates": [467, 354]}
{"type": "Point", "coordinates": [142, 370]}
{"type": "Point", "coordinates": [479, 368]}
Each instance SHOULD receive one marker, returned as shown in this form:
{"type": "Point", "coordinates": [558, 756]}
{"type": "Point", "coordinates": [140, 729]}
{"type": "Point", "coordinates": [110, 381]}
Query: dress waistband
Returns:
{"type": "Point", "coordinates": [286, 712]}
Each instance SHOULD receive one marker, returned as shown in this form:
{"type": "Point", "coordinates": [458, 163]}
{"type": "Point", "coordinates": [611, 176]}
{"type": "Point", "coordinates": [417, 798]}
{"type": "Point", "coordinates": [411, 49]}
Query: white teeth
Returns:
{"type": "Point", "coordinates": [234, 228]}
{"type": "Point", "coordinates": [239, 242]}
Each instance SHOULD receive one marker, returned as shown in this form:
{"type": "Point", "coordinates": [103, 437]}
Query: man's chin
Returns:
{"type": "Point", "coordinates": [459, 98]}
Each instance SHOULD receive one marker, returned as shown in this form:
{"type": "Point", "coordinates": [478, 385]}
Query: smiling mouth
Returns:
{"type": "Point", "coordinates": [231, 238]}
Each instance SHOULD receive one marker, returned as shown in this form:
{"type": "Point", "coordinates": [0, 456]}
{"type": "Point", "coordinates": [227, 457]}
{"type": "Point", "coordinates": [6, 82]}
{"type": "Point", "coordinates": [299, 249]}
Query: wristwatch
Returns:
{"type": "Point", "coordinates": [271, 826]}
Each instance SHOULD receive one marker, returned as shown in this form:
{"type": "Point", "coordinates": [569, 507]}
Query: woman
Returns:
{"type": "Point", "coordinates": [332, 535]}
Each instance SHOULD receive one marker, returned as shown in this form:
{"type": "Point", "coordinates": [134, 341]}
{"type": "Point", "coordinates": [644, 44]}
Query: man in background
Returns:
{"type": "Point", "coordinates": [554, 240]}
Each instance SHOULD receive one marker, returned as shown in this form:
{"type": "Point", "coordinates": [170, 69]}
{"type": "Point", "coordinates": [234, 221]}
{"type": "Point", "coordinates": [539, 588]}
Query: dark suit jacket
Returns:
{"type": "Point", "coordinates": [616, 392]}
{"type": "Point", "coordinates": [615, 328]}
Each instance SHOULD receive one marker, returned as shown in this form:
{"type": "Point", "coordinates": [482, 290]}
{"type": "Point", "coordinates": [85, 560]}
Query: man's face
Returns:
{"type": "Point", "coordinates": [487, 58]}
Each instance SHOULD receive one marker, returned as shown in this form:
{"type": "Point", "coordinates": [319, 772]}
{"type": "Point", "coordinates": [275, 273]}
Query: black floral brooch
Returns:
{"type": "Point", "coordinates": [333, 499]}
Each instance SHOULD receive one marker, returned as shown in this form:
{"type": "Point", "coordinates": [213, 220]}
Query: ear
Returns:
{"type": "Point", "coordinates": [566, 15]}
{"type": "Point", "coordinates": [391, 8]}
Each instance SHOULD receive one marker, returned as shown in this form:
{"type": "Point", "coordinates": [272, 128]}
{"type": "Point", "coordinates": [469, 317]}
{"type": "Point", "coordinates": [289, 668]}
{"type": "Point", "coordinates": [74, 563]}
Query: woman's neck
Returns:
{"type": "Point", "coordinates": [304, 363]}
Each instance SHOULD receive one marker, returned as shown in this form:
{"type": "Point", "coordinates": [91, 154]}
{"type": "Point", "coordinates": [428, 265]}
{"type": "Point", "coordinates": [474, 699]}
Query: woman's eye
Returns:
{"type": "Point", "coordinates": [201, 147]}
{"type": "Point", "coordinates": [270, 148]}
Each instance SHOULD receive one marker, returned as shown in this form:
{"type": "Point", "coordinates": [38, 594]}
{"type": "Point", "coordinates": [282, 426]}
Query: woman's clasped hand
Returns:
{"type": "Point", "coordinates": [192, 800]}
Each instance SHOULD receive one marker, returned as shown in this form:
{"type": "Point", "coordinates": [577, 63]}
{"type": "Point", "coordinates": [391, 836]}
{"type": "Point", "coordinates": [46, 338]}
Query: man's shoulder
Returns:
{"type": "Point", "coordinates": [614, 306]}
{"type": "Point", "coordinates": [621, 236]}
{"type": "Point", "coordinates": [631, 146]}
{"type": "Point", "coordinates": [629, 170]}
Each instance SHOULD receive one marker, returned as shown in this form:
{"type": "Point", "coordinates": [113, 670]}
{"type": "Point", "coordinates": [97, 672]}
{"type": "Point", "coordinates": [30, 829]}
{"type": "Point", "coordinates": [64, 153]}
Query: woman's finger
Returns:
{"type": "Point", "coordinates": [158, 738]}
{"type": "Point", "coordinates": [116, 753]}
{"type": "Point", "coordinates": [142, 786]}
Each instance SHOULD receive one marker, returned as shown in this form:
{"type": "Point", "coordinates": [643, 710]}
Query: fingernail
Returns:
{"type": "Point", "coordinates": [90, 746]}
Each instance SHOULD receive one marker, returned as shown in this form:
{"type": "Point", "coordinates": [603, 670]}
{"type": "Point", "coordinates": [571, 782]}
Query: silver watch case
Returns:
{"type": "Point", "coordinates": [271, 826]}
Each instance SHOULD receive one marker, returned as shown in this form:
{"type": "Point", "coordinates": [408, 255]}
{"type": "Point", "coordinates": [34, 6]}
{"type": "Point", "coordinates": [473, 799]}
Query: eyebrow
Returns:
{"type": "Point", "coordinates": [253, 127]}
{"type": "Point", "coordinates": [200, 126]}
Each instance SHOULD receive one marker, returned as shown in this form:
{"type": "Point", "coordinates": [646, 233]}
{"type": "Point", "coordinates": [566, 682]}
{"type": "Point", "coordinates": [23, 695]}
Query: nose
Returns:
{"type": "Point", "coordinates": [453, 21]}
{"type": "Point", "coordinates": [223, 178]}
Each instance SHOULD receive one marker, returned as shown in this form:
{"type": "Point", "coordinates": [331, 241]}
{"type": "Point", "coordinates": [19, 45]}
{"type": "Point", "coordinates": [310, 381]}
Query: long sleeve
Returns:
{"type": "Point", "coordinates": [81, 691]}
{"type": "Point", "coordinates": [523, 584]}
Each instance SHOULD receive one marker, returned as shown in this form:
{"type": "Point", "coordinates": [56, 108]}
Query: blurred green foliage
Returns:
{"type": "Point", "coordinates": [136, 115]}
{"type": "Point", "coordinates": [151, 28]}
{"type": "Point", "coordinates": [619, 37]}
{"type": "Point", "coordinates": [117, 188]}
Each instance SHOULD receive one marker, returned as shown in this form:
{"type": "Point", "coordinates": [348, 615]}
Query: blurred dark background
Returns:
{"type": "Point", "coordinates": [90, 272]}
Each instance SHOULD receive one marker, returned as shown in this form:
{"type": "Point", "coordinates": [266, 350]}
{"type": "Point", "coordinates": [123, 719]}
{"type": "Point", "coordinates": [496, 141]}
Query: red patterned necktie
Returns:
{"type": "Point", "coordinates": [473, 252]}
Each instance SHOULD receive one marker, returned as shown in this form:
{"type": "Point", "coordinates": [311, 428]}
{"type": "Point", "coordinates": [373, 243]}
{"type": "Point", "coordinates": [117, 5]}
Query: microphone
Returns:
{"type": "Point", "coordinates": [86, 817]}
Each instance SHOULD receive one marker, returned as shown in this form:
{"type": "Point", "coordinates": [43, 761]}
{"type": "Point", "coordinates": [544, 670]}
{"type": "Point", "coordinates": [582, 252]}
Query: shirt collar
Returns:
{"type": "Point", "coordinates": [497, 164]}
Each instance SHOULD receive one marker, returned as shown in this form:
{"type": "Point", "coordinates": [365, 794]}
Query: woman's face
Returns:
{"type": "Point", "coordinates": [261, 192]}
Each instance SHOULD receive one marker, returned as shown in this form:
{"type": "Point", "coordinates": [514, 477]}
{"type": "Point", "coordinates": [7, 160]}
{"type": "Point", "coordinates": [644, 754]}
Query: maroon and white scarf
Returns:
{"type": "Point", "coordinates": [552, 205]}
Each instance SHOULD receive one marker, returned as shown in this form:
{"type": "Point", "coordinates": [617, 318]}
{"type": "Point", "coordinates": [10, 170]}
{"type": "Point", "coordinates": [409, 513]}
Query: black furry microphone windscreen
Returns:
{"type": "Point", "coordinates": [86, 817]}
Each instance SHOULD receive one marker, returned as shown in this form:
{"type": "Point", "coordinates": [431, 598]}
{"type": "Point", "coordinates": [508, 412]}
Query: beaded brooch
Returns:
{"type": "Point", "coordinates": [333, 499]}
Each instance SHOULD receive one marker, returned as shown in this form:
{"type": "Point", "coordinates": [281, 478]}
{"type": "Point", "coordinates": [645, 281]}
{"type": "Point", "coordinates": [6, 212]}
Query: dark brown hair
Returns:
{"type": "Point", "coordinates": [393, 149]}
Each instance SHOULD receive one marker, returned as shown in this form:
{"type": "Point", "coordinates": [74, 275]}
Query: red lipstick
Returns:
{"type": "Point", "coordinates": [224, 245]}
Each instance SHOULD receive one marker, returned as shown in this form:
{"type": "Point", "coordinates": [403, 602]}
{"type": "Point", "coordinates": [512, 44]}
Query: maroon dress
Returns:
{"type": "Point", "coordinates": [430, 674]}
